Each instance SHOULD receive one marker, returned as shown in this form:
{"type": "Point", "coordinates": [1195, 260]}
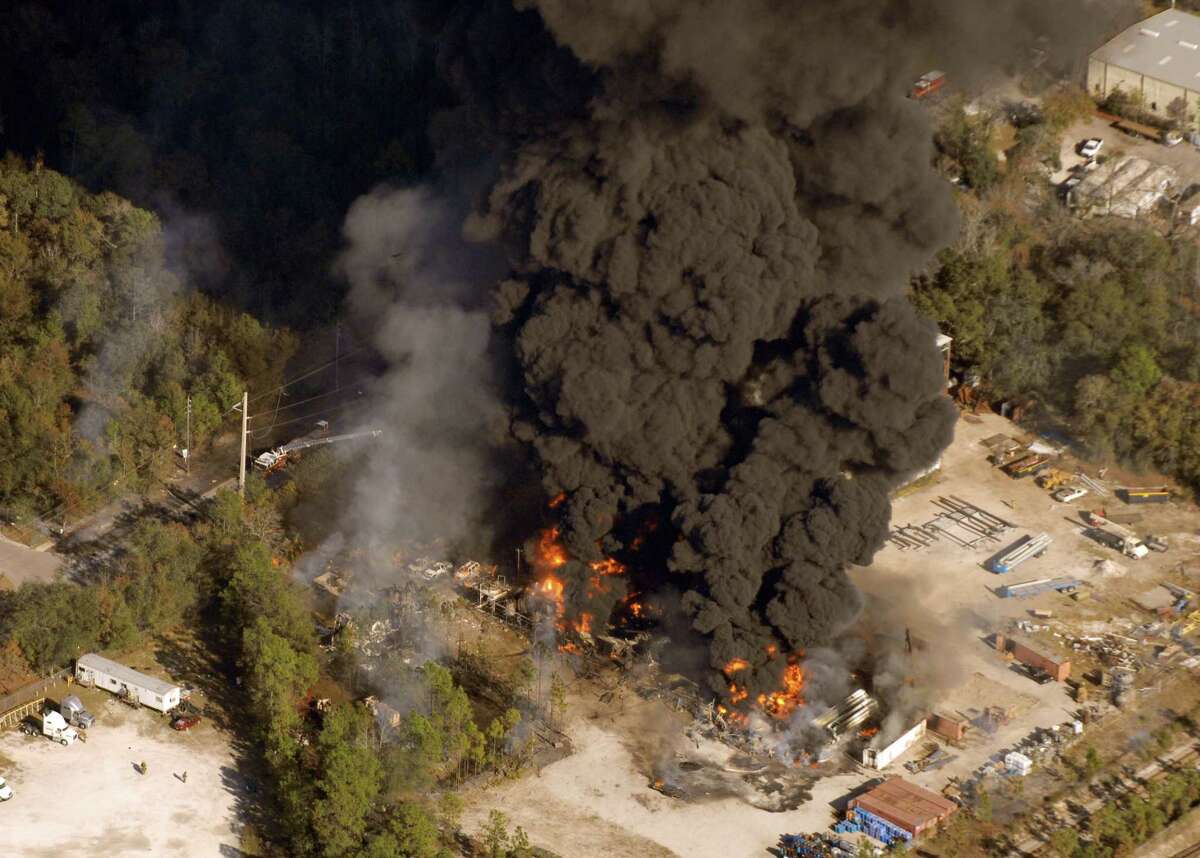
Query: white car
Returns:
{"type": "Point", "coordinates": [1069, 494]}
{"type": "Point", "coordinates": [1091, 147]}
{"type": "Point", "coordinates": [6, 791]}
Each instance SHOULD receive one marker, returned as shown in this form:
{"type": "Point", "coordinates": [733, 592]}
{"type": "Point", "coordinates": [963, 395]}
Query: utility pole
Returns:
{"type": "Point", "coordinates": [518, 563]}
{"type": "Point", "coordinates": [245, 434]}
{"type": "Point", "coordinates": [187, 443]}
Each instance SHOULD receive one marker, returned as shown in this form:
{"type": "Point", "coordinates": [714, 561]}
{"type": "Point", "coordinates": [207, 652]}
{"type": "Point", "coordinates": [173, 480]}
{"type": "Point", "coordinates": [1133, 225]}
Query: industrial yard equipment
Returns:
{"type": "Point", "coordinates": [1115, 536]}
{"type": "Point", "coordinates": [1027, 466]}
{"type": "Point", "coordinates": [959, 521]}
{"type": "Point", "coordinates": [1054, 478]}
{"type": "Point", "coordinates": [1148, 494]}
{"type": "Point", "coordinates": [1024, 549]}
{"type": "Point", "coordinates": [1025, 589]}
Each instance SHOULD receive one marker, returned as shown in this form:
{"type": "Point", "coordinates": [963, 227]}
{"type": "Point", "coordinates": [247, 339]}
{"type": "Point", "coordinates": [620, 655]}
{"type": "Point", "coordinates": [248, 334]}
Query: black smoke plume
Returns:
{"type": "Point", "coordinates": [712, 210]}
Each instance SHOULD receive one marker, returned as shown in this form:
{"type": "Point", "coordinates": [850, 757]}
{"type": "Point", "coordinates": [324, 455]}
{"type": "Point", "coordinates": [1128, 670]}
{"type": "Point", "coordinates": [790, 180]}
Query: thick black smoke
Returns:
{"type": "Point", "coordinates": [712, 211]}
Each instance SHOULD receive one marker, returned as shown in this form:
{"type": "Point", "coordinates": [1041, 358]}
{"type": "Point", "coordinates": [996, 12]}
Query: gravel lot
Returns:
{"type": "Point", "coordinates": [87, 800]}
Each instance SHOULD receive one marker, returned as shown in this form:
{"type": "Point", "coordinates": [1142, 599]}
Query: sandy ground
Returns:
{"type": "Point", "coordinates": [20, 564]}
{"type": "Point", "coordinates": [597, 803]}
{"type": "Point", "coordinates": [948, 597]}
{"type": "Point", "coordinates": [87, 800]}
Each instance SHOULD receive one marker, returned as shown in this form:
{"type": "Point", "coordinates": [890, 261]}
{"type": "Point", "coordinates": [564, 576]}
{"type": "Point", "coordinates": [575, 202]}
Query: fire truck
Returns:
{"type": "Point", "coordinates": [927, 84]}
{"type": "Point", "coordinates": [273, 460]}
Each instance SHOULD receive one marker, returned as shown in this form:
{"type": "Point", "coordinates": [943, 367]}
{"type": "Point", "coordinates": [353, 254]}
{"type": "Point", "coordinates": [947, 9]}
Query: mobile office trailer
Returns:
{"type": "Point", "coordinates": [129, 684]}
{"type": "Point", "coordinates": [881, 758]}
{"type": "Point", "coordinates": [1022, 550]}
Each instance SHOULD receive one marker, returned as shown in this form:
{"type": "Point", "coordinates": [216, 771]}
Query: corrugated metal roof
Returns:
{"type": "Point", "coordinates": [1165, 46]}
{"type": "Point", "coordinates": [126, 674]}
{"type": "Point", "coordinates": [904, 803]}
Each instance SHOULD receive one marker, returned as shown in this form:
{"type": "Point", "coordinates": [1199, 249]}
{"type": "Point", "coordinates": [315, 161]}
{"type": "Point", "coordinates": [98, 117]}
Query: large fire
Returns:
{"type": "Point", "coordinates": [608, 566]}
{"type": "Point", "coordinates": [784, 702]}
{"type": "Point", "coordinates": [549, 552]}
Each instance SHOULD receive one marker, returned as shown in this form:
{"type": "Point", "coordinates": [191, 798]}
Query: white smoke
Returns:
{"type": "Point", "coordinates": [419, 291]}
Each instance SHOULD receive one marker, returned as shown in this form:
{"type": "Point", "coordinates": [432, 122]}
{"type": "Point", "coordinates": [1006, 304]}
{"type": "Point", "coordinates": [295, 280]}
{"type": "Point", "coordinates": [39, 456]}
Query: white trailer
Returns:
{"type": "Point", "coordinates": [127, 683]}
{"type": "Point", "coordinates": [1022, 550]}
{"type": "Point", "coordinates": [881, 758]}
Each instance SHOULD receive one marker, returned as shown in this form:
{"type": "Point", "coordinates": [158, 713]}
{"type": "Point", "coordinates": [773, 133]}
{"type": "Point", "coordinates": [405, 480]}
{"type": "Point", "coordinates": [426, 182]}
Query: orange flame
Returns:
{"type": "Point", "coordinates": [557, 500]}
{"type": "Point", "coordinates": [784, 702]}
{"type": "Point", "coordinates": [608, 566]}
{"type": "Point", "coordinates": [585, 623]}
{"type": "Point", "coordinates": [552, 587]}
{"type": "Point", "coordinates": [736, 694]}
{"type": "Point", "coordinates": [549, 552]}
{"type": "Point", "coordinates": [635, 608]}
{"type": "Point", "coordinates": [735, 665]}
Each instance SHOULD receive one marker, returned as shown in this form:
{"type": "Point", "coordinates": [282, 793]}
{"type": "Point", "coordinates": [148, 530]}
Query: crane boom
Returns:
{"type": "Point", "coordinates": [272, 460]}
{"type": "Point", "coordinates": [305, 443]}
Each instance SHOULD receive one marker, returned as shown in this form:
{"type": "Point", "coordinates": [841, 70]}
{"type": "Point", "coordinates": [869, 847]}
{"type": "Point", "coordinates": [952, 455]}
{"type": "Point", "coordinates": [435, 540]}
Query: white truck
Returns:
{"type": "Point", "coordinates": [55, 728]}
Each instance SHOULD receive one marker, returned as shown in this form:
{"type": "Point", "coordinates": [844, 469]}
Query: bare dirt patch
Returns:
{"type": "Point", "coordinates": [88, 799]}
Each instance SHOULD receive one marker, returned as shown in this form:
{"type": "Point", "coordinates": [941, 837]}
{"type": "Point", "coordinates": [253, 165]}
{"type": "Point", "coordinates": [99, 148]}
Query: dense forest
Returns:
{"type": "Point", "coordinates": [101, 343]}
{"type": "Point", "coordinates": [1096, 319]}
{"type": "Point", "coordinates": [267, 117]}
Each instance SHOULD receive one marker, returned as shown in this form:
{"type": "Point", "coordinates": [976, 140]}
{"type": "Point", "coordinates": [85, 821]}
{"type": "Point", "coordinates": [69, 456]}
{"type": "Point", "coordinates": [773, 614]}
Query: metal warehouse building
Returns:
{"type": "Point", "coordinates": [1160, 58]}
{"type": "Point", "coordinates": [92, 669]}
{"type": "Point", "coordinates": [898, 810]}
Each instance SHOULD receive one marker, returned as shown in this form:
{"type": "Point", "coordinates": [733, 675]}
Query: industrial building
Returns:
{"type": "Point", "coordinates": [92, 669]}
{"type": "Point", "coordinates": [954, 729]}
{"type": "Point", "coordinates": [898, 810]}
{"type": "Point", "coordinates": [1158, 58]}
{"type": "Point", "coordinates": [1057, 669]}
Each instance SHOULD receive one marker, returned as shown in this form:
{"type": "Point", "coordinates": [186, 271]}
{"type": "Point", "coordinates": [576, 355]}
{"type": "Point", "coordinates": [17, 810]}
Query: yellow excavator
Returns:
{"type": "Point", "coordinates": [1054, 478]}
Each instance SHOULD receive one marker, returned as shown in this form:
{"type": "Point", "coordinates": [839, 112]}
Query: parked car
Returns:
{"type": "Point", "coordinates": [1068, 494]}
{"type": "Point", "coordinates": [1091, 147]}
{"type": "Point", "coordinates": [6, 791]}
{"type": "Point", "coordinates": [185, 722]}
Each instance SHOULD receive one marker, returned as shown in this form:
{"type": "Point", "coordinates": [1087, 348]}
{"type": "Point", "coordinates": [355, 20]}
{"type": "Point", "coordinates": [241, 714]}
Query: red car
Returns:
{"type": "Point", "coordinates": [185, 722]}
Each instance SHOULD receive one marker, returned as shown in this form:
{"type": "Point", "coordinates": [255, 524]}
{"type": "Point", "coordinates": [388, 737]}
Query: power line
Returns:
{"type": "Point", "coordinates": [298, 378]}
{"type": "Point", "coordinates": [309, 399]}
{"type": "Point", "coordinates": [305, 417]}
{"type": "Point", "coordinates": [308, 374]}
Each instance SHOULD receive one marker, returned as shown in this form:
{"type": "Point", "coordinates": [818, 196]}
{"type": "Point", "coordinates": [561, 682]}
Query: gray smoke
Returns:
{"type": "Point", "coordinates": [412, 281]}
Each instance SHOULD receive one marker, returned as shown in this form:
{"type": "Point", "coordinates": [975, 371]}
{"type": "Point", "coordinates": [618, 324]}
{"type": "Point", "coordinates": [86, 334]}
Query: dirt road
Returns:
{"type": "Point", "coordinates": [87, 800]}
